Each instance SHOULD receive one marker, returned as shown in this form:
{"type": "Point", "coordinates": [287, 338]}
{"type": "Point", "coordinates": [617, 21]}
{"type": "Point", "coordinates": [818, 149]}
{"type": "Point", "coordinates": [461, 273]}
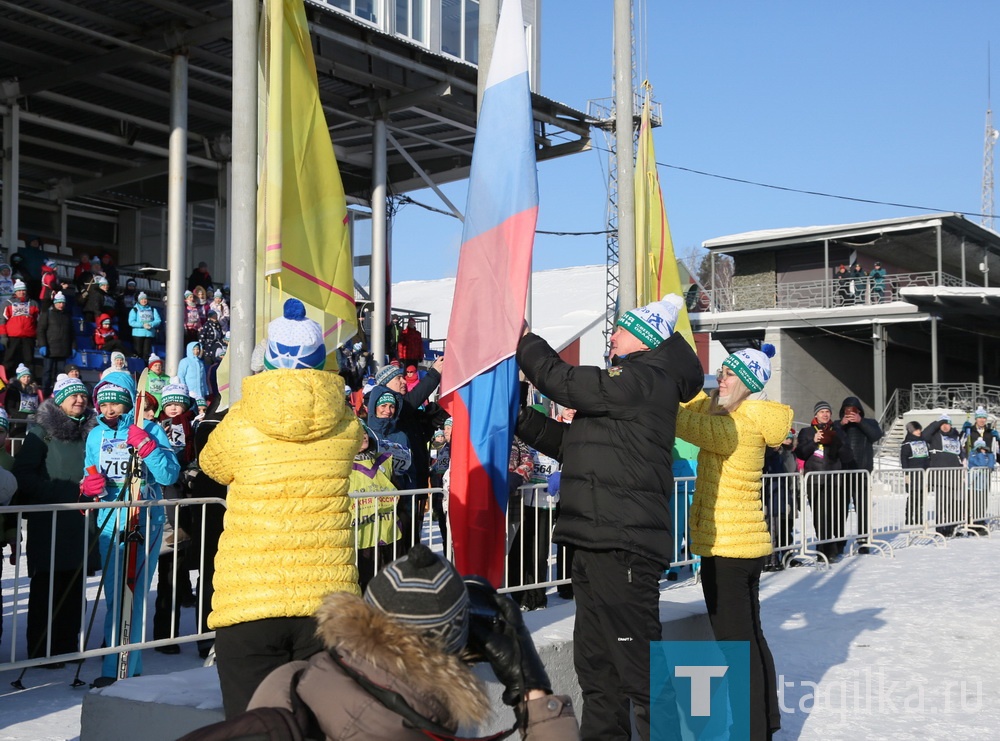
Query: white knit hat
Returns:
{"type": "Point", "coordinates": [294, 341]}
{"type": "Point", "coordinates": [176, 392]}
{"type": "Point", "coordinates": [654, 322]}
{"type": "Point", "coordinates": [59, 298]}
{"type": "Point", "coordinates": [66, 386]}
{"type": "Point", "coordinates": [752, 367]}
{"type": "Point", "coordinates": [22, 370]}
{"type": "Point", "coordinates": [19, 285]}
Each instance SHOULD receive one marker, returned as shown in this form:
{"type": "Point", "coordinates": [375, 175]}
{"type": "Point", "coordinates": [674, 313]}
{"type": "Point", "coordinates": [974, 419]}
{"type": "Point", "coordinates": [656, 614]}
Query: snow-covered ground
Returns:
{"type": "Point", "coordinates": [873, 648]}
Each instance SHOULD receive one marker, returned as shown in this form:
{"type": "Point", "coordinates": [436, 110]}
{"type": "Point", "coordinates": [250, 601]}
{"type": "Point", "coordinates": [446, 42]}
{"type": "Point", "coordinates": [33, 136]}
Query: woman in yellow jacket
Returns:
{"type": "Point", "coordinates": [285, 450]}
{"type": "Point", "coordinates": [727, 522]}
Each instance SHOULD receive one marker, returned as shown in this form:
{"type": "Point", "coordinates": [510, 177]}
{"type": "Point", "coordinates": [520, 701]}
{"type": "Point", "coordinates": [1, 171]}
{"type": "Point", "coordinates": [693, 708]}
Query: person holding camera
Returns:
{"type": "Point", "coordinates": [396, 663]}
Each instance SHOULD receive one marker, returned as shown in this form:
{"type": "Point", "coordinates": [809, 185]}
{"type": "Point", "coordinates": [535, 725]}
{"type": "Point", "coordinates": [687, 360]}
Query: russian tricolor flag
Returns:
{"type": "Point", "coordinates": [479, 387]}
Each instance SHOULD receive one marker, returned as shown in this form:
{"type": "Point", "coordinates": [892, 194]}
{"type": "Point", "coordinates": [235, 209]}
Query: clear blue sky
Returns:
{"type": "Point", "coordinates": [883, 100]}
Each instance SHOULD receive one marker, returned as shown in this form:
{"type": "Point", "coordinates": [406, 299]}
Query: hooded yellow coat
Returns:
{"type": "Point", "coordinates": [285, 451]}
{"type": "Point", "coordinates": [727, 518]}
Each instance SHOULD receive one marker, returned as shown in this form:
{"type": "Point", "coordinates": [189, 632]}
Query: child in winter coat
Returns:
{"type": "Point", "coordinates": [50, 283]}
{"type": "Point", "coordinates": [156, 379]}
{"type": "Point", "coordinates": [375, 531]}
{"type": "Point", "coordinates": [191, 371]}
{"type": "Point", "coordinates": [118, 364]}
{"type": "Point", "coordinates": [192, 317]}
{"type": "Point", "coordinates": [23, 396]}
{"type": "Point", "coordinates": [105, 336]}
{"type": "Point", "coordinates": [221, 308]}
{"type": "Point", "coordinates": [144, 321]}
{"type": "Point", "coordinates": [175, 418]}
{"type": "Point", "coordinates": [981, 465]}
{"type": "Point", "coordinates": [6, 283]}
{"type": "Point", "coordinates": [110, 447]}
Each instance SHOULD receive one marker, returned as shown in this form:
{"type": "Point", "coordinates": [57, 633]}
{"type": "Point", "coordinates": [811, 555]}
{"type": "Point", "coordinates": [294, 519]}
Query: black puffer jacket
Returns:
{"type": "Point", "coordinates": [48, 467]}
{"type": "Point", "coordinates": [945, 448]}
{"type": "Point", "coordinates": [55, 332]}
{"type": "Point", "coordinates": [616, 456]}
{"type": "Point", "coordinates": [860, 436]}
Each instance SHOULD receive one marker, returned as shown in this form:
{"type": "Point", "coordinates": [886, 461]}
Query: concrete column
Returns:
{"type": "Point", "coordinates": [63, 224]}
{"type": "Point", "coordinates": [489, 16]}
{"type": "Point", "coordinates": [624, 117]}
{"type": "Point", "coordinates": [879, 342]}
{"type": "Point", "coordinates": [177, 211]}
{"type": "Point", "coordinates": [934, 349]}
{"type": "Point", "coordinates": [940, 265]}
{"type": "Point", "coordinates": [828, 282]}
{"type": "Point", "coordinates": [242, 204]}
{"type": "Point", "coordinates": [11, 176]}
{"type": "Point", "coordinates": [380, 249]}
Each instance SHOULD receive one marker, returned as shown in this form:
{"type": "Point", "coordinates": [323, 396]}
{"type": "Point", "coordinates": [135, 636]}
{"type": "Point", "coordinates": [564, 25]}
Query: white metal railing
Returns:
{"type": "Point", "coordinates": [812, 518]}
{"type": "Point", "coordinates": [822, 293]}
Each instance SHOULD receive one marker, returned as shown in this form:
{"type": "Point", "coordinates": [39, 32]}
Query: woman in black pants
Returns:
{"type": "Point", "coordinates": [728, 529]}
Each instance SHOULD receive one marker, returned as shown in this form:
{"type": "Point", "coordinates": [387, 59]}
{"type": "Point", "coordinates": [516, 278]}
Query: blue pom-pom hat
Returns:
{"type": "Point", "coordinates": [294, 340]}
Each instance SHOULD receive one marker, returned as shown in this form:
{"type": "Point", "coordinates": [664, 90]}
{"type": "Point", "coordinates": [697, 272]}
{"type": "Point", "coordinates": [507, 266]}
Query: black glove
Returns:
{"type": "Point", "coordinates": [497, 632]}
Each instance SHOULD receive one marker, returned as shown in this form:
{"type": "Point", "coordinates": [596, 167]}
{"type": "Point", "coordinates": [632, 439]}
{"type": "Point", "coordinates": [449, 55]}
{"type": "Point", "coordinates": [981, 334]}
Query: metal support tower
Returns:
{"type": "Point", "coordinates": [604, 112]}
{"type": "Point", "coordinates": [990, 142]}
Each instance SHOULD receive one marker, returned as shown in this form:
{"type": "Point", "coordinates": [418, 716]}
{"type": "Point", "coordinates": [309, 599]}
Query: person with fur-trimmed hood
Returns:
{"type": "Point", "coordinates": [110, 446]}
{"type": "Point", "coordinates": [47, 467]}
{"type": "Point", "coordinates": [285, 450]}
{"type": "Point", "coordinates": [394, 662]}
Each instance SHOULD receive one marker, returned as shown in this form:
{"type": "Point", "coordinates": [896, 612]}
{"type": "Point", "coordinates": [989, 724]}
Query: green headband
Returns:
{"type": "Point", "coordinates": [76, 387]}
{"type": "Point", "coordinates": [182, 399]}
{"type": "Point", "coordinates": [636, 326]}
{"type": "Point", "coordinates": [111, 394]}
{"type": "Point", "coordinates": [736, 364]}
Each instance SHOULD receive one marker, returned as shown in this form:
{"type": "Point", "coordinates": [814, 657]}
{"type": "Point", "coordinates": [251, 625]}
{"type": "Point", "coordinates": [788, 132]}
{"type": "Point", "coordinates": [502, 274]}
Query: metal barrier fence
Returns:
{"type": "Point", "coordinates": [849, 511]}
{"type": "Point", "coordinates": [812, 518]}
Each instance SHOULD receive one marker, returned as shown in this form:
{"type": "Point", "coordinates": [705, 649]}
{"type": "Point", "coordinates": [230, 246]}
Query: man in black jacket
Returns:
{"type": "Point", "coordinates": [614, 499]}
{"type": "Point", "coordinates": [861, 435]}
{"type": "Point", "coordinates": [55, 340]}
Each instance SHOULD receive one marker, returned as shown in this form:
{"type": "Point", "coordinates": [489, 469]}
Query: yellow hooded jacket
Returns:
{"type": "Point", "coordinates": [285, 451]}
{"type": "Point", "coordinates": [727, 518]}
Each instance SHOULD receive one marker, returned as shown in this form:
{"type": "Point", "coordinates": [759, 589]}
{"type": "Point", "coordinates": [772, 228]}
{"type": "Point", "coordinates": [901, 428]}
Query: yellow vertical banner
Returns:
{"type": "Point", "coordinates": [303, 236]}
{"type": "Point", "coordinates": [655, 262]}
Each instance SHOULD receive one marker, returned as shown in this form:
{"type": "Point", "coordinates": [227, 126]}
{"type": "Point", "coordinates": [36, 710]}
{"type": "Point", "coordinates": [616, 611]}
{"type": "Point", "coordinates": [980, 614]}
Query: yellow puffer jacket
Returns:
{"type": "Point", "coordinates": [726, 517]}
{"type": "Point", "coordinates": [286, 451]}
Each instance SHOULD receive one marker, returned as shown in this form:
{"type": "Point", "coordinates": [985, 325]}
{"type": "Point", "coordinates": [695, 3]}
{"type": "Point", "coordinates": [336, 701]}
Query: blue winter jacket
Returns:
{"type": "Point", "coordinates": [142, 315]}
{"type": "Point", "coordinates": [159, 468]}
{"type": "Point", "coordinates": [191, 370]}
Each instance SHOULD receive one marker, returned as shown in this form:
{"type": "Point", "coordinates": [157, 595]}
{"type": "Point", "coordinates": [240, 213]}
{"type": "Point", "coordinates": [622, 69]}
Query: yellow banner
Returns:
{"type": "Point", "coordinates": [655, 263]}
{"type": "Point", "coordinates": [303, 236]}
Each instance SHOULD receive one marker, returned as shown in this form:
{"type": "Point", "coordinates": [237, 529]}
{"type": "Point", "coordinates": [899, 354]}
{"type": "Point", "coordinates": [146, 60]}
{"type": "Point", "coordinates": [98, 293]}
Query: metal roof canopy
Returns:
{"type": "Point", "coordinates": [910, 241]}
{"type": "Point", "coordinates": [92, 78]}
